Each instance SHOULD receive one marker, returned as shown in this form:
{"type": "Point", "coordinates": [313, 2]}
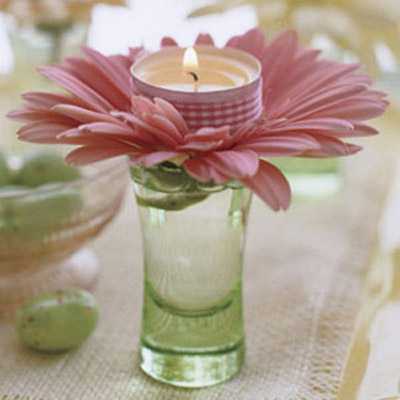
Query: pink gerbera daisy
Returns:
{"type": "Point", "coordinates": [311, 106]}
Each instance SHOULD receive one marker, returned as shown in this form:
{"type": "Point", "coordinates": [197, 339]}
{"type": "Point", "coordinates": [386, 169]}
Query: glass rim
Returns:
{"type": "Point", "coordinates": [105, 169]}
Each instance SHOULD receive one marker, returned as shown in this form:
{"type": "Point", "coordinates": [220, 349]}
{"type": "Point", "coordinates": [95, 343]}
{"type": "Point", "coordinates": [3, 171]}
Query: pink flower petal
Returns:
{"type": "Point", "coordinates": [280, 58]}
{"type": "Point", "coordinates": [77, 88]}
{"type": "Point", "coordinates": [198, 169]}
{"type": "Point", "coordinates": [318, 79]}
{"type": "Point", "coordinates": [168, 110]}
{"type": "Point", "coordinates": [218, 177]}
{"type": "Point", "coordinates": [112, 71]}
{"type": "Point", "coordinates": [203, 171]}
{"type": "Point", "coordinates": [141, 135]}
{"type": "Point", "coordinates": [161, 122]}
{"type": "Point", "coordinates": [122, 60]}
{"type": "Point", "coordinates": [135, 53]}
{"type": "Point", "coordinates": [204, 39]}
{"type": "Point", "coordinates": [209, 134]}
{"type": "Point", "coordinates": [31, 115]}
{"type": "Point", "coordinates": [355, 110]}
{"type": "Point", "coordinates": [90, 154]}
{"type": "Point", "coordinates": [83, 115]}
{"type": "Point", "coordinates": [244, 132]}
{"type": "Point", "coordinates": [234, 163]}
{"type": "Point", "coordinates": [160, 136]}
{"type": "Point", "coordinates": [148, 160]}
{"type": "Point", "coordinates": [364, 130]}
{"type": "Point", "coordinates": [106, 127]}
{"type": "Point", "coordinates": [93, 77]}
{"type": "Point", "coordinates": [76, 137]}
{"type": "Point", "coordinates": [42, 132]}
{"type": "Point", "coordinates": [270, 185]}
{"type": "Point", "coordinates": [331, 125]}
{"type": "Point", "coordinates": [42, 100]}
{"type": "Point", "coordinates": [253, 41]}
{"type": "Point", "coordinates": [273, 49]}
{"type": "Point", "coordinates": [332, 147]}
{"type": "Point", "coordinates": [142, 105]}
{"type": "Point", "coordinates": [168, 41]}
{"type": "Point", "coordinates": [325, 97]}
{"type": "Point", "coordinates": [200, 146]}
{"type": "Point", "coordinates": [281, 145]}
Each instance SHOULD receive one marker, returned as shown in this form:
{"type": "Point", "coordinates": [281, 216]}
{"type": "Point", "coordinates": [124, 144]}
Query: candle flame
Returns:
{"type": "Point", "coordinates": [190, 59]}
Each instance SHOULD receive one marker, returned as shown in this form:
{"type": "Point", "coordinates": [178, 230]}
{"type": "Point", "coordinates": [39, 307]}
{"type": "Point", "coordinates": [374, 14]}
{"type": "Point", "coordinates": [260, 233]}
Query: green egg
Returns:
{"type": "Point", "coordinates": [57, 322]}
{"type": "Point", "coordinates": [45, 167]}
{"type": "Point", "coordinates": [5, 172]}
{"type": "Point", "coordinates": [40, 212]}
{"type": "Point", "coordinates": [49, 205]}
{"type": "Point", "coordinates": [7, 202]}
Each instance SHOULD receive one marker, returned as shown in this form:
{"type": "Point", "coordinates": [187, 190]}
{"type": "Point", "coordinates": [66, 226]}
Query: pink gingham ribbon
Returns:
{"type": "Point", "coordinates": [234, 113]}
{"type": "Point", "coordinates": [211, 109]}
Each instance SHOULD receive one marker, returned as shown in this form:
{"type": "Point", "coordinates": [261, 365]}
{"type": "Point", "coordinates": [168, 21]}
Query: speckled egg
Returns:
{"type": "Point", "coordinates": [45, 167]}
{"type": "Point", "coordinates": [5, 173]}
{"type": "Point", "coordinates": [7, 198]}
{"type": "Point", "coordinates": [38, 213]}
{"type": "Point", "coordinates": [57, 322]}
{"type": "Point", "coordinates": [49, 206]}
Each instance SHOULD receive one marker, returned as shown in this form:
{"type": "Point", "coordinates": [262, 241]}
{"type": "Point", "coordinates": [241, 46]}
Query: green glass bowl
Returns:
{"type": "Point", "coordinates": [43, 231]}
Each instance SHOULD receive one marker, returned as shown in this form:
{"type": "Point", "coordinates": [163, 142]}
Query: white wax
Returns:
{"type": "Point", "coordinates": [218, 69]}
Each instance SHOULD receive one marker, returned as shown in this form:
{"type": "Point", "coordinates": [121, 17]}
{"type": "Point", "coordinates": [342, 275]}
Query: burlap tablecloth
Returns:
{"type": "Point", "coordinates": [303, 282]}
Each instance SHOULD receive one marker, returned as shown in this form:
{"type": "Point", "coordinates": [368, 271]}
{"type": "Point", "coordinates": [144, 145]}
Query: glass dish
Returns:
{"type": "Point", "coordinates": [44, 231]}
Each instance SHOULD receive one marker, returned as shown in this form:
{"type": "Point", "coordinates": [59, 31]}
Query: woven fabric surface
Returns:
{"type": "Point", "coordinates": [303, 283]}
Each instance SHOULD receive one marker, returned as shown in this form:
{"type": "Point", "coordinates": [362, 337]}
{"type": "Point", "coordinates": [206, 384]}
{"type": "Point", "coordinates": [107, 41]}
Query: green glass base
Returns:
{"type": "Point", "coordinates": [194, 370]}
{"type": "Point", "coordinates": [192, 348]}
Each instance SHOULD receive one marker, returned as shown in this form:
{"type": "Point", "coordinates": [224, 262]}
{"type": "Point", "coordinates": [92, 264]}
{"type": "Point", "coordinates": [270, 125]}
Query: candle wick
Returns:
{"type": "Point", "coordinates": [195, 79]}
{"type": "Point", "coordinates": [194, 76]}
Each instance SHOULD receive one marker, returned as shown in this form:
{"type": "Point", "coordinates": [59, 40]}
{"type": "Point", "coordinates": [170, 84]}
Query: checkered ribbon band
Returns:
{"type": "Point", "coordinates": [233, 113]}
{"type": "Point", "coordinates": [211, 109]}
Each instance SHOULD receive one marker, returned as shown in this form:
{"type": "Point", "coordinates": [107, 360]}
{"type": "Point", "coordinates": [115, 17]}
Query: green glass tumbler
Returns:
{"type": "Point", "coordinates": [192, 327]}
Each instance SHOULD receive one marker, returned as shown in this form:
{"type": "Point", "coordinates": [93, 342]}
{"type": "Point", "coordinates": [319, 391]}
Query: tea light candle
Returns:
{"type": "Point", "coordinates": [201, 70]}
{"type": "Point", "coordinates": [208, 85]}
